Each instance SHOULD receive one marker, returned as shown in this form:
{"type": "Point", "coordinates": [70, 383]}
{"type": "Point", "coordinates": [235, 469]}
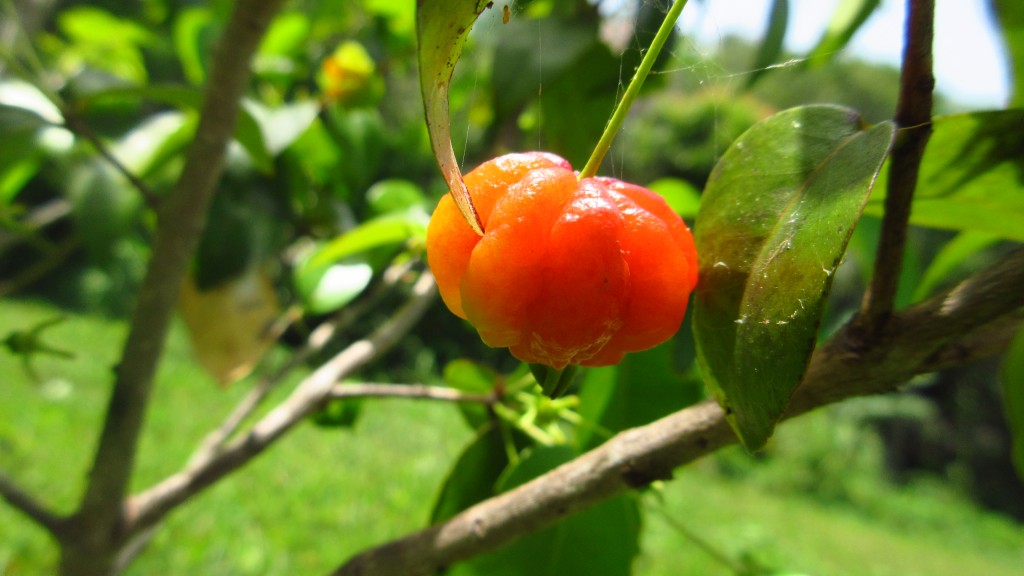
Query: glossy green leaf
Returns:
{"type": "Point", "coordinates": [474, 476]}
{"type": "Point", "coordinates": [771, 45]}
{"type": "Point", "coordinates": [281, 126]}
{"type": "Point", "coordinates": [849, 16]}
{"type": "Point", "coordinates": [474, 378]}
{"type": "Point", "coordinates": [971, 177]}
{"type": "Point", "coordinates": [776, 215]}
{"type": "Point", "coordinates": [1013, 397]}
{"type": "Point", "coordinates": [441, 30]}
{"type": "Point", "coordinates": [325, 289]}
{"type": "Point", "coordinates": [602, 540]}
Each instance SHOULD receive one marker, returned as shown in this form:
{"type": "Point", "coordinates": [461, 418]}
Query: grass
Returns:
{"type": "Point", "coordinates": [321, 495]}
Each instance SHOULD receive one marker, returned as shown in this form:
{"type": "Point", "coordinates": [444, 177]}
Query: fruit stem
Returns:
{"type": "Point", "coordinates": [622, 108]}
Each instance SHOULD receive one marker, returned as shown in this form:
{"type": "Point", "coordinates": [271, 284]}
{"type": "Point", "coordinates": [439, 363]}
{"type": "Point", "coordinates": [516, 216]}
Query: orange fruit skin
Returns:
{"type": "Point", "coordinates": [567, 271]}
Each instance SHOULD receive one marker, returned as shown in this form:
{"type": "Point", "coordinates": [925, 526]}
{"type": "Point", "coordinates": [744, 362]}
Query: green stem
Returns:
{"type": "Point", "coordinates": [622, 108]}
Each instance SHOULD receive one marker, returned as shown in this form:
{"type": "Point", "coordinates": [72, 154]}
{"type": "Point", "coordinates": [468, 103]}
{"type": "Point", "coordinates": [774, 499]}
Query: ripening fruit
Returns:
{"type": "Point", "coordinates": [568, 271]}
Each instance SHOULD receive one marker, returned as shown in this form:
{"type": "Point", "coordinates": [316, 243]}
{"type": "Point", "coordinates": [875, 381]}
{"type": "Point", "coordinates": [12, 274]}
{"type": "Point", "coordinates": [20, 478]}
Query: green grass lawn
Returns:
{"type": "Point", "coordinates": [321, 495]}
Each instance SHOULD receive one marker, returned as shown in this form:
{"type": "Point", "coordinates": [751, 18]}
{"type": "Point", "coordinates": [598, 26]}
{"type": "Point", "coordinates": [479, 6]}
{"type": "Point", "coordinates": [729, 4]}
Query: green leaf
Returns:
{"type": "Point", "coordinates": [849, 16]}
{"type": "Point", "coordinates": [380, 231]}
{"type": "Point", "coordinates": [282, 126]}
{"type": "Point", "coordinates": [388, 196]}
{"type": "Point", "coordinates": [682, 196]}
{"type": "Point", "coordinates": [642, 388]}
{"type": "Point", "coordinates": [771, 46]}
{"type": "Point", "coordinates": [1010, 14]}
{"type": "Point", "coordinates": [1013, 397]}
{"type": "Point", "coordinates": [951, 258]}
{"type": "Point", "coordinates": [469, 376]}
{"type": "Point", "coordinates": [474, 476]}
{"type": "Point", "coordinates": [441, 30]}
{"type": "Point", "coordinates": [971, 177]}
{"type": "Point", "coordinates": [103, 206]}
{"type": "Point", "coordinates": [193, 35]}
{"type": "Point", "coordinates": [602, 540]}
{"type": "Point", "coordinates": [775, 218]}
{"type": "Point", "coordinates": [338, 413]}
{"type": "Point", "coordinates": [247, 131]}
{"type": "Point", "coordinates": [327, 288]}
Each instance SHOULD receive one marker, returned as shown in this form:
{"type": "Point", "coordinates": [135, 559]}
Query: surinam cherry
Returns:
{"type": "Point", "coordinates": [569, 270]}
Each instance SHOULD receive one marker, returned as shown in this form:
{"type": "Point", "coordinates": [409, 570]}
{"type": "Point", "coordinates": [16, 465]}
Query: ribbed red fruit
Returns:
{"type": "Point", "coordinates": [568, 271]}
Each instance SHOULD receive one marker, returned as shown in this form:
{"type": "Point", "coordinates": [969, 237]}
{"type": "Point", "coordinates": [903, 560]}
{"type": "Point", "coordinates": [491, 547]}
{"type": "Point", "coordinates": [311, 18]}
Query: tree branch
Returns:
{"type": "Point", "coordinates": [152, 505]}
{"type": "Point", "coordinates": [25, 503]}
{"type": "Point", "coordinates": [182, 218]}
{"type": "Point", "coordinates": [913, 119]}
{"type": "Point", "coordinates": [846, 366]}
{"type": "Point", "coordinates": [413, 391]}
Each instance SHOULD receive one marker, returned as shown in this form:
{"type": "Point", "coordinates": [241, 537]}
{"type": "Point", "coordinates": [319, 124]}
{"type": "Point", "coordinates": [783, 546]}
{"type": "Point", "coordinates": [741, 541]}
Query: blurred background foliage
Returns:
{"type": "Point", "coordinates": [329, 185]}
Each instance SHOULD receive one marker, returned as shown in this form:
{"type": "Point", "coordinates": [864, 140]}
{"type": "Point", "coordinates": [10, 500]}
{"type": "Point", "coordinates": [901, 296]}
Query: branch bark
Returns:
{"type": "Point", "coordinates": [150, 506]}
{"type": "Point", "coordinates": [912, 342]}
{"type": "Point", "coordinates": [21, 500]}
{"type": "Point", "coordinates": [97, 526]}
{"type": "Point", "coordinates": [913, 119]}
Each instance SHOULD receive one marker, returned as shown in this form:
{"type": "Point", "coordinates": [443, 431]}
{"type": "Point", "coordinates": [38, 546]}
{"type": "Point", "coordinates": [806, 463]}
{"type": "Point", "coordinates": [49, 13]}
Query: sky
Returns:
{"type": "Point", "coordinates": [970, 65]}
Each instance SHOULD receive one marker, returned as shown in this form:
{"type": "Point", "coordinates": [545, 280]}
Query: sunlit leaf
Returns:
{"type": "Point", "coordinates": [971, 177]}
{"type": "Point", "coordinates": [682, 196]}
{"type": "Point", "coordinates": [394, 195]}
{"type": "Point", "coordinates": [381, 231]}
{"type": "Point", "coordinates": [847, 19]}
{"type": "Point", "coordinates": [193, 35]}
{"type": "Point", "coordinates": [281, 126]}
{"type": "Point", "coordinates": [776, 215]}
{"type": "Point", "coordinates": [327, 288]}
{"type": "Point", "coordinates": [441, 30]}
{"type": "Point", "coordinates": [602, 540]}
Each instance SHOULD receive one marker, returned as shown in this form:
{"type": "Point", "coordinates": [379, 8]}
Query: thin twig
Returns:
{"type": "Point", "coordinates": [842, 368]}
{"type": "Point", "coordinates": [913, 119]}
{"type": "Point", "coordinates": [315, 342]}
{"type": "Point", "coordinates": [413, 391]}
{"type": "Point", "coordinates": [150, 506]}
{"type": "Point", "coordinates": [79, 128]}
{"type": "Point", "coordinates": [21, 500]}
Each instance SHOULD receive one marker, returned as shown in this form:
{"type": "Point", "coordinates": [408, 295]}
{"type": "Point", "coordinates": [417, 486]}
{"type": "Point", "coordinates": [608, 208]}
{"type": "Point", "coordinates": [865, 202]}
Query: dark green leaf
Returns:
{"type": "Point", "coordinates": [104, 207]}
{"type": "Point", "coordinates": [471, 377]}
{"type": "Point", "coordinates": [1013, 398]}
{"type": "Point", "coordinates": [776, 215]}
{"type": "Point", "coordinates": [849, 16]}
{"type": "Point", "coordinates": [771, 46]}
{"type": "Point", "coordinates": [338, 413]}
{"type": "Point", "coordinates": [642, 388]}
{"type": "Point", "coordinates": [474, 476]}
{"type": "Point", "coordinates": [441, 30]}
{"type": "Point", "coordinates": [602, 540]}
{"type": "Point", "coordinates": [972, 176]}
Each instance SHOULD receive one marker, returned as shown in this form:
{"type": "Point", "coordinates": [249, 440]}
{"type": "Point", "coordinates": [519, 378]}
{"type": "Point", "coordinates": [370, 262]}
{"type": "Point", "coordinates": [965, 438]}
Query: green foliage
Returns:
{"type": "Point", "coordinates": [971, 176]}
{"type": "Point", "coordinates": [1013, 398]}
{"type": "Point", "coordinates": [773, 225]}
